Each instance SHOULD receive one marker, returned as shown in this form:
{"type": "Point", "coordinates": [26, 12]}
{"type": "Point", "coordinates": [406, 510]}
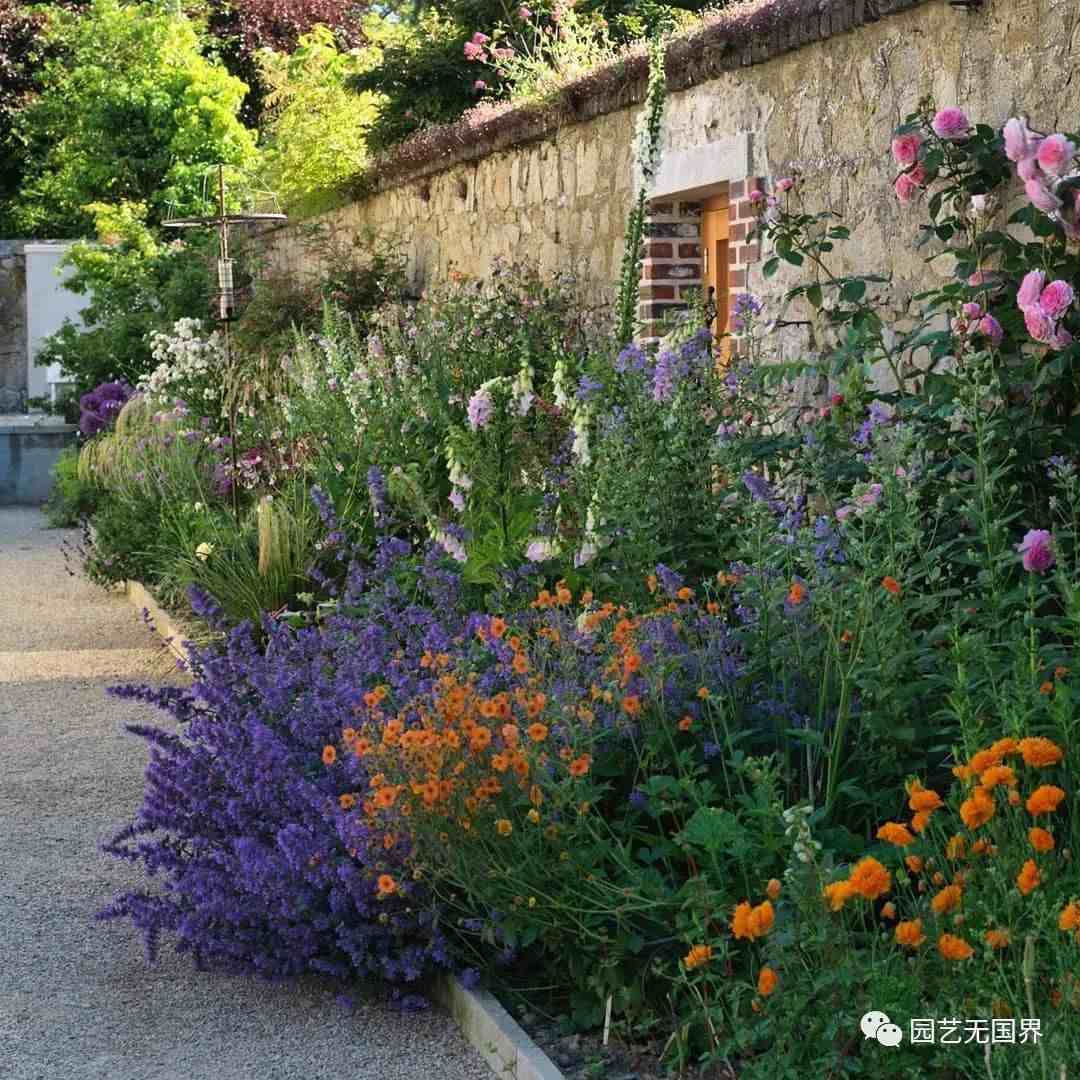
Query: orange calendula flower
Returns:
{"type": "Point", "coordinates": [686, 723]}
{"type": "Point", "coordinates": [838, 894]}
{"type": "Point", "coordinates": [772, 889]}
{"type": "Point", "coordinates": [909, 934]}
{"type": "Point", "coordinates": [981, 847]}
{"type": "Point", "coordinates": [697, 957]}
{"type": "Point", "coordinates": [983, 760]}
{"type": "Point", "coordinates": [1060, 672]}
{"type": "Point", "coordinates": [1069, 919]}
{"type": "Point", "coordinates": [870, 879]}
{"type": "Point", "coordinates": [914, 863]}
{"type": "Point", "coordinates": [520, 663]}
{"type": "Point", "coordinates": [752, 922]}
{"type": "Point", "coordinates": [631, 705]}
{"type": "Point", "coordinates": [534, 816]}
{"type": "Point", "coordinates": [962, 772]}
{"type": "Point", "coordinates": [956, 848]}
{"type": "Point", "coordinates": [997, 775]}
{"type": "Point", "coordinates": [685, 593]}
{"type": "Point", "coordinates": [891, 585]}
{"type": "Point", "coordinates": [1039, 752]}
{"type": "Point", "coordinates": [947, 900]}
{"type": "Point", "coordinates": [1029, 878]}
{"type": "Point", "coordinates": [977, 809]}
{"type": "Point", "coordinates": [580, 766]}
{"type": "Point", "coordinates": [766, 981]}
{"type": "Point", "coordinates": [894, 833]}
{"type": "Point", "coordinates": [797, 593]}
{"type": "Point", "coordinates": [329, 755]}
{"type": "Point", "coordinates": [1005, 747]}
{"type": "Point", "coordinates": [1046, 688]}
{"type": "Point", "coordinates": [497, 627]}
{"type": "Point", "coordinates": [1041, 839]}
{"type": "Point", "coordinates": [888, 911]}
{"type": "Point", "coordinates": [537, 732]}
{"type": "Point", "coordinates": [347, 801]}
{"type": "Point", "coordinates": [954, 948]}
{"type": "Point", "coordinates": [703, 692]}
{"type": "Point", "coordinates": [997, 939]}
{"type": "Point", "coordinates": [504, 827]}
{"type": "Point", "coordinates": [920, 820]}
{"type": "Point", "coordinates": [923, 799]}
{"type": "Point", "coordinates": [386, 796]}
{"type": "Point", "coordinates": [387, 885]}
{"type": "Point", "coordinates": [1045, 799]}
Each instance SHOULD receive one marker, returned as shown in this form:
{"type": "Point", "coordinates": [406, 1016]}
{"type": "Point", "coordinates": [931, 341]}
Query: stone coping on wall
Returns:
{"type": "Point", "coordinates": [752, 33]}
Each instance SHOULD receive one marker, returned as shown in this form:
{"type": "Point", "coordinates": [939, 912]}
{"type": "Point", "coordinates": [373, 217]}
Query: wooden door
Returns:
{"type": "Point", "coordinates": [714, 251]}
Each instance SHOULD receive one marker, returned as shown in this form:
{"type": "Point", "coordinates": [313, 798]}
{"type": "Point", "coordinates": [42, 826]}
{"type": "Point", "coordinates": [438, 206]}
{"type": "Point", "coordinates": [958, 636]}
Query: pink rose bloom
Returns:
{"type": "Point", "coordinates": [1030, 291]}
{"type": "Point", "coordinates": [951, 124]}
{"type": "Point", "coordinates": [1039, 326]}
{"type": "Point", "coordinates": [1028, 169]}
{"type": "Point", "coordinates": [979, 279]}
{"type": "Point", "coordinates": [1042, 198]}
{"type": "Point", "coordinates": [972, 310]}
{"type": "Point", "coordinates": [1055, 154]}
{"type": "Point", "coordinates": [1019, 143]}
{"type": "Point", "coordinates": [756, 196]}
{"type": "Point", "coordinates": [1062, 339]}
{"type": "Point", "coordinates": [473, 51]}
{"type": "Point", "coordinates": [1037, 550]}
{"type": "Point", "coordinates": [479, 85]}
{"type": "Point", "coordinates": [1056, 299]}
{"type": "Point", "coordinates": [785, 184]}
{"type": "Point", "coordinates": [905, 149]}
{"type": "Point", "coordinates": [909, 184]}
{"type": "Point", "coordinates": [991, 328]}
{"type": "Point", "coordinates": [480, 39]}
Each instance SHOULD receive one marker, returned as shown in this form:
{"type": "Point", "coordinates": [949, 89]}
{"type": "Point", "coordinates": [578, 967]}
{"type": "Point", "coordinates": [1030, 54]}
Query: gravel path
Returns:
{"type": "Point", "coordinates": [76, 998]}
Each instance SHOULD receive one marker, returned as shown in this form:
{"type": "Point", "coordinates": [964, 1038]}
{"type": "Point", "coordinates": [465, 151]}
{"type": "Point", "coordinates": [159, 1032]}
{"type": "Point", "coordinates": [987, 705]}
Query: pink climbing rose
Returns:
{"type": "Point", "coordinates": [991, 328]}
{"type": "Point", "coordinates": [1055, 154]}
{"type": "Point", "coordinates": [905, 149]}
{"type": "Point", "coordinates": [1056, 299]}
{"type": "Point", "coordinates": [972, 310]}
{"type": "Point", "coordinates": [785, 184]}
{"type": "Point", "coordinates": [1028, 169]}
{"type": "Point", "coordinates": [473, 50]}
{"type": "Point", "coordinates": [1041, 197]}
{"type": "Point", "coordinates": [909, 183]}
{"type": "Point", "coordinates": [1037, 551]}
{"type": "Point", "coordinates": [1040, 327]}
{"type": "Point", "coordinates": [951, 124]}
{"type": "Point", "coordinates": [1019, 142]}
{"type": "Point", "coordinates": [1062, 339]}
{"type": "Point", "coordinates": [1030, 290]}
{"type": "Point", "coordinates": [480, 39]}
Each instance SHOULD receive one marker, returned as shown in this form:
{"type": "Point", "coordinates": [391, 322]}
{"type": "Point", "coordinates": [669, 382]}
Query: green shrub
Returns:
{"type": "Point", "coordinates": [71, 498]}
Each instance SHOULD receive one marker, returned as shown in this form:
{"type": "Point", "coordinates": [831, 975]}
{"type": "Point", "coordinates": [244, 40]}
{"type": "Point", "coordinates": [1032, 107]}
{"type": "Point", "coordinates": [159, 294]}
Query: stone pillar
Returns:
{"type": "Point", "coordinates": [12, 316]}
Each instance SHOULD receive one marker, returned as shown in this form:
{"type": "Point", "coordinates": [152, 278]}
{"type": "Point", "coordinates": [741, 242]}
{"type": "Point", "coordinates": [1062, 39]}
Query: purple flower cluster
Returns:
{"type": "Point", "coordinates": [98, 409]}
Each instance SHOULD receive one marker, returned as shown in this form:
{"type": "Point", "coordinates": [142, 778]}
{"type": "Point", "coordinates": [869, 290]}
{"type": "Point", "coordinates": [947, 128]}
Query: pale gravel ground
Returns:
{"type": "Point", "coordinates": [77, 1001]}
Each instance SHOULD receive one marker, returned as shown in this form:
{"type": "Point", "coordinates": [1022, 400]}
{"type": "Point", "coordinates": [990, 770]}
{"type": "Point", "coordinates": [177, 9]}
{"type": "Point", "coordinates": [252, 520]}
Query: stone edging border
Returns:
{"type": "Point", "coordinates": [487, 1026]}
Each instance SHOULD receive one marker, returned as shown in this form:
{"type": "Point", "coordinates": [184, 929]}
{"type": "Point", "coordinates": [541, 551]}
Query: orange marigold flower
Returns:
{"type": "Point", "coordinates": [947, 900]}
{"type": "Point", "coordinates": [997, 774]}
{"type": "Point", "coordinates": [504, 827]}
{"type": "Point", "coordinates": [480, 738]}
{"type": "Point", "coordinates": [894, 833]}
{"type": "Point", "coordinates": [997, 939]}
{"type": "Point", "coordinates": [797, 593]}
{"type": "Point", "coordinates": [686, 723]}
{"type": "Point", "coordinates": [703, 692]}
{"type": "Point", "coordinates": [983, 760]}
{"type": "Point", "coordinates": [981, 847]}
{"type": "Point", "coordinates": [651, 583]}
{"type": "Point", "coordinates": [631, 705]}
{"type": "Point", "coordinates": [1060, 672]}
{"type": "Point", "coordinates": [533, 816]}
{"type": "Point", "coordinates": [685, 593]}
{"type": "Point", "coordinates": [697, 957]}
{"type": "Point", "coordinates": [838, 894]}
{"type": "Point", "coordinates": [920, 820]}
{"type": "Point", "coordinates": [361, 747]}
{"type": "Point", "coordinates": [500, 762]}
{"type": "Point", "coordinates": [1029, 878]}
{"type": "Point", "coordinates": [1041, 840]}
{"type": "Point", "coordinates": [536, 796]}
{"type": "Point", "coordinates": [1047, 687]}
{"type": "Point", "coordinates": [914, 864]}
{"type": "Point", "coordinates": [888, 911]}
{"type": "Point", "coordinates": [1014, 797]}
{"type": "Point", "coordinates": [347, 801]}
{"type": "Point", "coordinates": [956, 848]}
{"type": "Point", "coordinates": [386, 796]}
{"type": "Point", "coordinates": [520, 663]}
{"type": "Point", "coordinates": [1069, 919]}
{"type": "Point", "coordinates": [752, 922]}
{"type": "Point", "coordinates": [772, 889]}
{"type": "Point", "coordinates": [1039, 752]}
{"type": "Point", "coordinates": [329, 755]}
{"type": "Point", "coordinates": [890, 584]}
{"type": "Point", "coordinates": [954, 948]}
{"type": "Point", "coordinates": [387, 885]}
{"type": "Point", "coordinates": [537, 732]}
{"type": "Point", "coordinates": [870, 878]}
{"type": "Point", "coordinates": [977, 809]}
{"type": "Point", "coordinates": [909, 934]}
{"type": "Point", "coordinates": [766, 981]}
{"type": "Point", "coordinates": [497, 627]}
{"type": "Point", "coordinates": [962, 772]}
{"type": "Point", "coordinates": [1005, 747]}
{"type": "Point", "coordinates": [388, 841]}
{"type": "Point", "coordinates": [1045, 799]}
{"type": "Point", "coordinates": [580, 766]}
{"type": "Point", "coordinates": [923, 799]}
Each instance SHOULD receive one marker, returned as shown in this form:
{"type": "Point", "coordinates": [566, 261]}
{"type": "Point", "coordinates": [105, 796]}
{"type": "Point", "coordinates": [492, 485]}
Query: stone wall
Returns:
{"type": "Point", "coordinates": [12, 317]}
{"type": "Point", "coordinates": [819, 96]}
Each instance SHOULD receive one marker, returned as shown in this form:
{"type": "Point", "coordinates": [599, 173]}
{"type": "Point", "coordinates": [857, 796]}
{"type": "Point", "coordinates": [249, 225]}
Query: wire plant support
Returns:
{"type": "Point", "coordinates": [226, 305]}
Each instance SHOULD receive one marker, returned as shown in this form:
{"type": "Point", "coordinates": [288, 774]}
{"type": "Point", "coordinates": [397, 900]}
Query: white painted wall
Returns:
{"type": "Point", "coordinates": [48, 304]}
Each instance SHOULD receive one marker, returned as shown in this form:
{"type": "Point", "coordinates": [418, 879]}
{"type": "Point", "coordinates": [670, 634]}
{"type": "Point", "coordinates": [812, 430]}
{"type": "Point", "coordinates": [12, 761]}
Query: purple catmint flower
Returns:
{"type": "Point", "coordinates": [1037, 551]}
{"type": "Point", "coordinates": [587, 388]}
{"type": "Point", "coordinates": [632, 358]}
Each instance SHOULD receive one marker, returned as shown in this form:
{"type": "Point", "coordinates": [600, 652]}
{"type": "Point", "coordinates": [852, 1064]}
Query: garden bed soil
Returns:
{"type": "Point", "coordinates": [583, 1056]}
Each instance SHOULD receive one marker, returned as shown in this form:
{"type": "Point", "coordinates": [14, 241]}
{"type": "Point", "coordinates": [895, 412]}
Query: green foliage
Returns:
{"type": "Point", "coordinates": [131, 111]}
{"type": "Point", "coordinates": [71, 499]}
{"type": "Point", "coordinates": [136, 283]}
{"type": "Point", "coordinates": [315, 127]}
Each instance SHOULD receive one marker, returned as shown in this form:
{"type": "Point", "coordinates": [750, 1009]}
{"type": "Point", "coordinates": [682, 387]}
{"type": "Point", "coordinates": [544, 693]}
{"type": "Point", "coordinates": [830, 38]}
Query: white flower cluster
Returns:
{"type": "Point", "coordinates": [797, 820]}
{"type": "Point", "coordinates": [189, 366]}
